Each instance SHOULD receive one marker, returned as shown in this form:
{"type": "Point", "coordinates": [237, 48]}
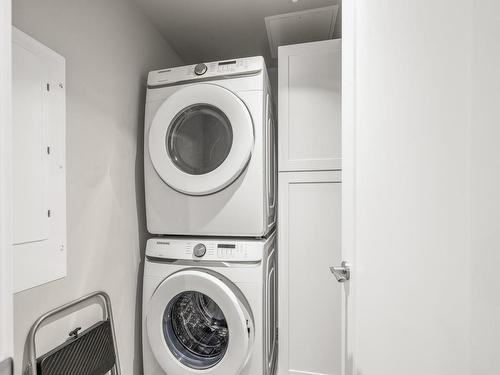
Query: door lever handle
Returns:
{"type": "Point", "coordinates": [342, 273]}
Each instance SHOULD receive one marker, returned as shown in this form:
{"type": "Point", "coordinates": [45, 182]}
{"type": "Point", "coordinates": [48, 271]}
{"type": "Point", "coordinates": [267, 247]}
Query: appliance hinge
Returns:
{"type": "Point", "coordinates": [48, 213]}
{"type": "Point", "coordinates": [48, 86]}
{"type": "Point", "coordinates": [48, 150]}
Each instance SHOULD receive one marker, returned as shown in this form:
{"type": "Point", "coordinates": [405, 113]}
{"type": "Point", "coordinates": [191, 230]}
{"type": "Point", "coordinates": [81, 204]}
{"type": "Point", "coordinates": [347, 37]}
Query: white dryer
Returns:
{"type": "Point", "coordinates": [209, 307]}
{"type": "Point", "coordinates": [210, 155]}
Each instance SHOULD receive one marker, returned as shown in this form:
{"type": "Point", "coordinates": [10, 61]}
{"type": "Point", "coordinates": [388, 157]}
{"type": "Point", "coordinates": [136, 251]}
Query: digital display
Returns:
{"type": "Point", "coordinates": [226, 246]}
{"type": "Point", "coordinates": [227, 62]}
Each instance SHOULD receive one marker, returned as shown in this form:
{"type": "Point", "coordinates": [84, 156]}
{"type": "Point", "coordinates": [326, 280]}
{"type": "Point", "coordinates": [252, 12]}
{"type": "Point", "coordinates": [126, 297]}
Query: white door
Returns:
{"type": "Point", "coordinates": [6, 305]}
{"type": "Point", "coordinates": [198, 324]}
{"type": "Point", "coordinates": [405, 176]}
{"type": "Point", "coordinates": [201, 138]}
{"type": "Point", "coordinates": [310, 299]}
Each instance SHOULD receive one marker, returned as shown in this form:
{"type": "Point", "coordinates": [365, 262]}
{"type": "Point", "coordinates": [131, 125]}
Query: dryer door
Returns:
{"type": "Point", "coordinates": [197, 323]}
{"type": "Point", "coordinates": [201, 139]}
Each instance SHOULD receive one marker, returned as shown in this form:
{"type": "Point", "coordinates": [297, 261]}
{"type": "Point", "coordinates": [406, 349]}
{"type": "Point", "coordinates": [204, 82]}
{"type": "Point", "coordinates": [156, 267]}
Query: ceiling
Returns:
{"type": "Point", "coordinates": [208, 30]}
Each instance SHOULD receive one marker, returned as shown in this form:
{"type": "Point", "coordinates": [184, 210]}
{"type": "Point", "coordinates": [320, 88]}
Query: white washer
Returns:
{"type": "Point", "coordinates": [209, 150]}
{"type": "Point", "coordinates": [209, 307]}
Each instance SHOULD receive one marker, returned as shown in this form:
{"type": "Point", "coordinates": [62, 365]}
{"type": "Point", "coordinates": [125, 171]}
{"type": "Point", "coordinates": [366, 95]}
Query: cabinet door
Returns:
{"type": "Point", "coordinates": [38, 158]}
{"type": "Point", "coordinates": [309, 111]}
{"type": "Point", "coordinates": [310, 300]}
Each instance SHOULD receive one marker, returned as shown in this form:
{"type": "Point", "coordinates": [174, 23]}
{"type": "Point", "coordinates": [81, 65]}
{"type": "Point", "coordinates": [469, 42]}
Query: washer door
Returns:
{"type": "Point", "coordinates": [197, 324]}
{"type": "Point", "coordinates": [201, 139]}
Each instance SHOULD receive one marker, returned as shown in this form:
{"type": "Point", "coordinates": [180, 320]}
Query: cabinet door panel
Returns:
{"type": "Point", "coordinates": [310, 310]}
{"type": "Point", "coordinates": [38, 158]}
{"type": "Point", "coordinates": [29, 100]}
{"type": "Point", "coordinates": [310, 106]}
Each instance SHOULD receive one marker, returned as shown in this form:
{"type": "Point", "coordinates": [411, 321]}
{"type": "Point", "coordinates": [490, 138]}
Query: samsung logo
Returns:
{"type": "Point", "coordinates": [162, 243]}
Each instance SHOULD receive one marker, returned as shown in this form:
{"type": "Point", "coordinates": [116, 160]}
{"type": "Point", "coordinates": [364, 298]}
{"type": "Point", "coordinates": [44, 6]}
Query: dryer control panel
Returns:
{"type": "Point", "coordinates": [206, 249]}
{"type": "Point", "coordinates": [206, 71]}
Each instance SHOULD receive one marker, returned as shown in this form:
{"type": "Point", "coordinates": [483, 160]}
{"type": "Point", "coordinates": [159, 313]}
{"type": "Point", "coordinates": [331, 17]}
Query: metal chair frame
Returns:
{"type": "Point", "coordinates": [31, 368]}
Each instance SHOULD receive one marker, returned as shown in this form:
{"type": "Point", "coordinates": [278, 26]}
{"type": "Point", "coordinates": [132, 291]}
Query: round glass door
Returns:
{"type": "Point", "coordinates": [195, 330]}
{"type": "Point", "coordinates": [201, 139]}
{"type": "Point", "coordinates": [198, 322]}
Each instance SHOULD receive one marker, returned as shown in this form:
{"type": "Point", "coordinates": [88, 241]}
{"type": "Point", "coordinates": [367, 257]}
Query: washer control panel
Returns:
{"type": "Point", "coordinates": [206, 249]}
{"type": "Point", "coordinates": [248, 66]}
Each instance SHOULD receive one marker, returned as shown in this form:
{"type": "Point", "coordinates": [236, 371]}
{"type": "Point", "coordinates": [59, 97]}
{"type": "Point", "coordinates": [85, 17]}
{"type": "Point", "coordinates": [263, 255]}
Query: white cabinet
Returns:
{"type": "Point", "coordinates": [310, 299]}
{"type": "Point", "coordinates": [39, 182]}
{"type": "Point", "coordinates": [309, 106]}
{"type": "Point", "coordinates": [309, 202]}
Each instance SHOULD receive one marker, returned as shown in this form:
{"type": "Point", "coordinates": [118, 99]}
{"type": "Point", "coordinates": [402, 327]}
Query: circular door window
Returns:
{"type": "Point", "coordinates": [195, 330]}
{"type": "Point", "coordinates": [201, 139]}
{"type": "Point", "coordinates": [199, 322]}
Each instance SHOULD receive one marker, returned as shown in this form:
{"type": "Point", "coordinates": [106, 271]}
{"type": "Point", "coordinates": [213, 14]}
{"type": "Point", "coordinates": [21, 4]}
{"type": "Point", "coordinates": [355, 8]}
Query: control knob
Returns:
{"type": "Point", "coordinates": [200, 69]}
{"type": "Point", "coordinates": [199, 250]}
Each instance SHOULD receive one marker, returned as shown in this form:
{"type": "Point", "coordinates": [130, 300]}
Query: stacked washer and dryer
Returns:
{"type": "Point", "coordinates": [209, 298]}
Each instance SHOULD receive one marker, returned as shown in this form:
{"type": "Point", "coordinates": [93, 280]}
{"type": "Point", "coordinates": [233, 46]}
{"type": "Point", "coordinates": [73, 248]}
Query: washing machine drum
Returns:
{"type": "Point", "coordinates": [201, 139]}
{"type": "Point", "coordinates": [197, 323]}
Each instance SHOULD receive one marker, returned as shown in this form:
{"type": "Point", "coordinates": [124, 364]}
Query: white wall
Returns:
{"type": "Point", "coordinates": [109, 46]}
{"type": "Point", "coordinates": [273, 81]}
{"type": "Point", "coordinates": [485, 189]}
{"type": "Point", "coordinates": [410, 201]}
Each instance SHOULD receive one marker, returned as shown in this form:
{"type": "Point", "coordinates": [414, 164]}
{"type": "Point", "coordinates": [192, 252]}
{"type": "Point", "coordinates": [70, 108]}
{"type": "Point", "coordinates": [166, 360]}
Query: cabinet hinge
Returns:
{"type": "Point", "coordinates": [48, 213]}
{"type": "Point", "coordinates": [48, 150]}
{"type": "Point", "coordinates": [48, 86]}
